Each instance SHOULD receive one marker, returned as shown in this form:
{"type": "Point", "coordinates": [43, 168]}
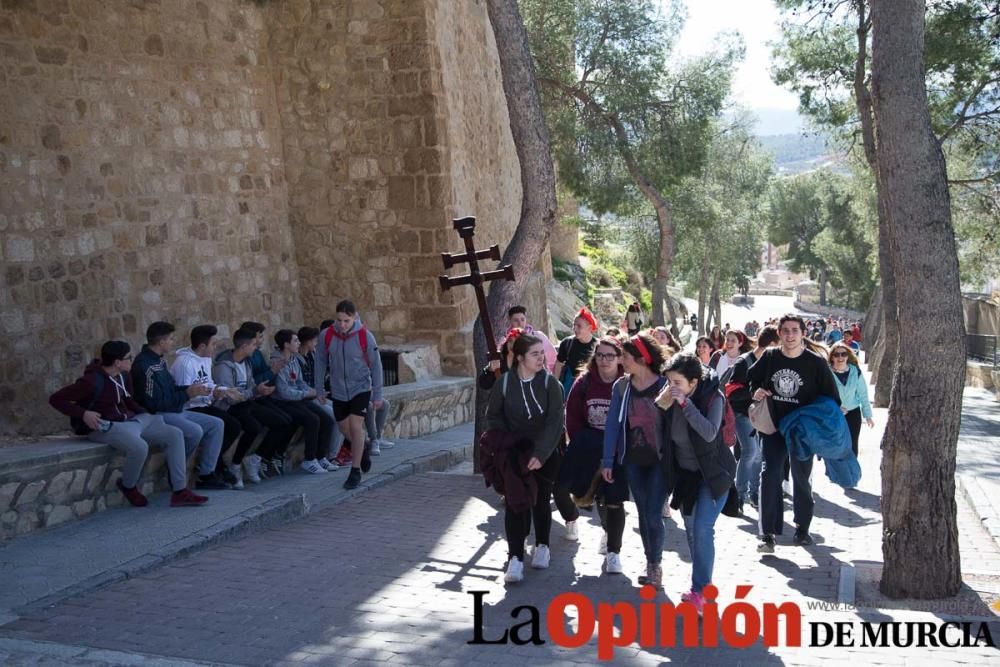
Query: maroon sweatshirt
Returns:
{"type": "Point", "coordinates": [588, 403]}
{"type": "Point", "coordinates": [113, 404]}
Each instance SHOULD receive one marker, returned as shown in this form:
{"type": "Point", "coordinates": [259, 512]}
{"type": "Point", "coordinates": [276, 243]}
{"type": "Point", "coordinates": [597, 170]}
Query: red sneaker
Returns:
{"type": "Point", "coordinates": [343, 457]}
{"type": "Point", "coordinates": [133, 495]}
{"type": "Point", "coordinates": [186, 498]}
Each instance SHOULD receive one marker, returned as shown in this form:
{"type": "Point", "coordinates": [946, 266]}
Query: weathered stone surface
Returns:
{"type": "Point", "coordinates": [7, 493]}
{"type": "Point", "coordinates": [96, 478]}
{"type": "Point", "coordinates": [58, 487]}
{"type": "Point", "coordinates": [59, 514]}
{"type": "Point", "coordinates": [29, 492]}
{"type": "Point", "coordinates": [82, 508]}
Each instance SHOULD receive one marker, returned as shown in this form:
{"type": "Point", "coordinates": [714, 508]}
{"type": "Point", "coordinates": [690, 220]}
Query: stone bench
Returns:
{"type": "Point", "coordinates": [61, 478]}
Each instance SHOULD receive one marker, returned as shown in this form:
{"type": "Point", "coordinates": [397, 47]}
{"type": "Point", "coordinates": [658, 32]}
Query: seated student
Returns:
{"type": "Point", "coordinates": [375, 427]}
{"type": "Point", "coordinates": [350, 353]}
{"type": "Point", "coordinates": [245, 401]}
{"type": "Point", "coordinates": [262, 370]}
{"type": "Point", "coordinates": [158, 393]}
{"type": "Point", "coordinates": [193, 365]}
{"type": "Point", "coordinates": [517, 318]}
{"type": "Point", "coordinates": [296, 399]}
{"type": "Point", "coordinates": [102, 408]}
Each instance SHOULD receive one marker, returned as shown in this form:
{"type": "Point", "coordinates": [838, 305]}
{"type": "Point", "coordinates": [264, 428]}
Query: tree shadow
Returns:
{"type": "Point", "coordinates": [865, 500]}
{"type": "Point", "coordinates": [841, 514]}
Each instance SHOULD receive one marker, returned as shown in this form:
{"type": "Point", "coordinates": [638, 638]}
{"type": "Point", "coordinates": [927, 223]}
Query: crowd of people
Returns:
{"type": "Point", "coordinates": [631, 416]}
{"type": "Point", "coordinates": [239, 408]}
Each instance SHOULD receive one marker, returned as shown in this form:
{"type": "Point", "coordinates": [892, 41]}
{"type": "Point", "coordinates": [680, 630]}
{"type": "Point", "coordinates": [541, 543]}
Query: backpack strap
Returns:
{"type": "Point", "coordinates": [363, 341]}
{"type": "Point", "coordinates": [503, 384]}
{"type": "Point", "coordinates": [329, 336]}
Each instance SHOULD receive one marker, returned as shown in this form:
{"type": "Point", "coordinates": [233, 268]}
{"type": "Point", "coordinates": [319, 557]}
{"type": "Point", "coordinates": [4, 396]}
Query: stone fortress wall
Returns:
{"type": "Point", "coordinates": [221, 160]}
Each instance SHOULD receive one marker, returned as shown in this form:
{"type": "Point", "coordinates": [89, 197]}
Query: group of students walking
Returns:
{"type": "Point", "coordinates": [643, 420]}
{"type": "Point", "coordinates": [240, 408]}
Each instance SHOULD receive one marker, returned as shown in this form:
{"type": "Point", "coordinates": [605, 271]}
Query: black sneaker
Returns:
{"type": "Point", "coordinates": [802, 538]}
{"type": "Point", "coordinates": [211, 481]}
{"type": "Point", "coordinates": [353, 479]}
{"type": "Point", "coordinates": [227, 477]}
{"type": "Point", "coordinates": [766, 544]}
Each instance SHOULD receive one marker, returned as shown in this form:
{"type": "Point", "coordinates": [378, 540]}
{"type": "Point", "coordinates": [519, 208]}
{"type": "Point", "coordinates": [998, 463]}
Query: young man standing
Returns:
{"type": "Point", "coordinates": [158, 393]}
{"type": "Point", "coordinates": [349, 353]}
{"type": "Point", "coordinates": [102, 407]}
{"type": "Point", "coordinates": [793, 377]}
{"type": "Point", "coordinates": [517, 318]}
{"type": "Point", "coordinates": [193, 365]}
{"type": "Point", "coordinates": [296, 398]}
{"type": "Point", "coordinates": [246, 401]}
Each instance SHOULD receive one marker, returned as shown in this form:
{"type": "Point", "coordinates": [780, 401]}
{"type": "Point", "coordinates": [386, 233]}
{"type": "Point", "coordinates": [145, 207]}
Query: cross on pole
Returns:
{"type": "Point", "coordinates": [466, 229]}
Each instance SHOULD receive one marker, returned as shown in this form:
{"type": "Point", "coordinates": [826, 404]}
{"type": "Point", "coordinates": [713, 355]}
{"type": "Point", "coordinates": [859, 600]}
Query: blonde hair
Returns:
{"type": "Point", "coordinates": [851, 357]}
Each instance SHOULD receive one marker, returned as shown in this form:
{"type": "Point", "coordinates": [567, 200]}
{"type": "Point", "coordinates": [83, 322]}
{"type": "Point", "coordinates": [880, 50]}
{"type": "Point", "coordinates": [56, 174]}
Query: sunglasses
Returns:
{"type": "Point", "coordinates": [605, 357]}
{"type": "Point", "coordinates": [839, 354]}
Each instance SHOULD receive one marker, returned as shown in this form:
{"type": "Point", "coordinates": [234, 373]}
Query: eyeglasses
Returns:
{"type": "Point", "coordinates": [838, 354]}
{"type": "Point", "coordinates": [600, 356]}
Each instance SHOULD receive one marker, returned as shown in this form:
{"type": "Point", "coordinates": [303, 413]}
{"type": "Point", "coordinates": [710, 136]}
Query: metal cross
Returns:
{"type": "Point", "coordinates": [466, 229]}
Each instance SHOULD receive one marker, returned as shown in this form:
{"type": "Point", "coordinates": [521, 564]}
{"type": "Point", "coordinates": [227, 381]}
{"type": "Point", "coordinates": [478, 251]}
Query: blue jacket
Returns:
{"type": "Point", "coordinates": [855, 393]}
{"type": "Point", "coordinates": [155, 388]}
{"type": "Point", "coordinates": [820, 429]}
{"type": "Point", "coordinates": [614, 429]}
{"type": "Point", "coordinates": [261, 369]}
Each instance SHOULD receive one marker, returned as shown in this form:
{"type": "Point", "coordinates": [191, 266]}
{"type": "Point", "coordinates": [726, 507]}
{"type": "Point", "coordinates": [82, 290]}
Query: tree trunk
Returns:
{"type": "Point", "coordinates": [885, 342]}
{"type": "Point", "coordinates": [822, 287]}
{"type": "Point", "coordinates": [871, 326]}
{"type": "Point", "coordinates": [665, 221]}
{"type": "Point", "coordinates": [714, 304]}
{"type": "Point", "coordinates": [920, 534]}
{"type": "Point", "coordinates": [538, 181]}
{"type": "Point", "coordinates": [702, 296]}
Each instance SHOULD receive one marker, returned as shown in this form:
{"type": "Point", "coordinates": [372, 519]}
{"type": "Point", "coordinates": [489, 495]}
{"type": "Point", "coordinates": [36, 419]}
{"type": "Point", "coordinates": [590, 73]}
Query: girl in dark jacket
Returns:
{"type": "Point", "coordinates": [699, 467]}
{"type": "Point", "coordinates": [488, 376]}
{"type": "Point", "coordinates": [528, 401]}
{"type": "Point", "coordinates": [586, 415]}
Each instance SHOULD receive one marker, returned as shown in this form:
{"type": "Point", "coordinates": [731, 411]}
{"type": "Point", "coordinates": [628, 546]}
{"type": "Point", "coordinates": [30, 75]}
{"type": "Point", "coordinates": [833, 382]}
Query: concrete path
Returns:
{"type": "Point", "coordinates": [386, 578]}
{"type": "Point", "coordinates": [978, 459]}
{"type": "Point", "coordinates": [116, 543]}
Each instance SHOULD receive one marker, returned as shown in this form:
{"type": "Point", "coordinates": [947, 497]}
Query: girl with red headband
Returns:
{"type": "Point", "coordinates": [488, 376]}
{"type": "Point", "coordinates": [633, 438]}
{"type": "Point", "coordinates": [576, 350]}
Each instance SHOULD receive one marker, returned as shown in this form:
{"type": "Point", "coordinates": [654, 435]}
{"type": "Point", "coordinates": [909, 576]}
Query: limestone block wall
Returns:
{"type": "Point", "coordinates": [141, 178]}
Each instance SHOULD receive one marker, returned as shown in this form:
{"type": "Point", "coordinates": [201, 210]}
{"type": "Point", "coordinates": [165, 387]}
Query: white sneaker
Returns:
{"type": "Point", "coordinates": [540, 559]}
{"type": "Point", "coordinates": [572, 532]}
{"type": "Point", "coordinates": [252, 465]}
{"type": "Point", "coordinates": [603, 549]}
{"type": "Point", "coordinates": [515, 571]}
{"type": "Point", "coordinates": [237, 472]}
{"type": "Point", "coordinates": [786, 488]}
{"type": "Point", "coordinates": [386, 444]}
{"type": "Point", "coordinates": [374, 449]}
{"type": "Point", "coordinates": [313, 466]}
{"type": "Point", "coordinates": [327, 464]}
{"type": "Point", "coordinates": [613, 563]}
{"type": "Point", "coordinates": [666, 508]}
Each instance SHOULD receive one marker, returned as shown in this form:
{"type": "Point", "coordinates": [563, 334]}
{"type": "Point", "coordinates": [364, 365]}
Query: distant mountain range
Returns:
{"type": "Point", "coordinates": [795, 147]}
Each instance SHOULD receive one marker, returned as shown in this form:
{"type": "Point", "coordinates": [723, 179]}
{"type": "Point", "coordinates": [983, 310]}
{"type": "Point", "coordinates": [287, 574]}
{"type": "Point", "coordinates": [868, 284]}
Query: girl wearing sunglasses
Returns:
{"type": "Point", "coordinates": [853, 390]}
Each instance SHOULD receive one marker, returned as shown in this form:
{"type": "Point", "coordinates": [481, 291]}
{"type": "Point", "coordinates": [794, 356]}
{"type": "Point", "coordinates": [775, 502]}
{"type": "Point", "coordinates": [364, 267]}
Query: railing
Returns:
{"type": "Point", "coordinates": [390, 367]}
{"type": "Point", "coordinates": [982, 348]}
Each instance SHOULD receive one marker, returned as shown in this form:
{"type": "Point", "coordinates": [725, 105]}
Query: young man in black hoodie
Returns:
{"type": "Point", "coordinates": [157, 392]}
{"type": "Point", "coordinates": [102, 407]}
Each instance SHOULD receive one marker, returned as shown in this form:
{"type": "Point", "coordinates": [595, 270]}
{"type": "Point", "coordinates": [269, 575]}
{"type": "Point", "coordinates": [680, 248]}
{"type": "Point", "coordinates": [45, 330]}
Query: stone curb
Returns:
{"type": "Point", "coordinates": [74, 653]}
{"type": "Point", "coordinates": [276, 511]}
{"type": "Point", "coordinates": [980, 504]}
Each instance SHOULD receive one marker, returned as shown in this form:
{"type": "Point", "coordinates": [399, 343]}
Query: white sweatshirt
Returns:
{"type": "Point", "coordinates": [189, 369]}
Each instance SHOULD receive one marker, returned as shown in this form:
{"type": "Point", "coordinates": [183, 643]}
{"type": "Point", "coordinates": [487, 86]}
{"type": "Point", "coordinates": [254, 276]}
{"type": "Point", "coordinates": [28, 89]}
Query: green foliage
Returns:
{"type": "Point", "coordinates": [646, 300]}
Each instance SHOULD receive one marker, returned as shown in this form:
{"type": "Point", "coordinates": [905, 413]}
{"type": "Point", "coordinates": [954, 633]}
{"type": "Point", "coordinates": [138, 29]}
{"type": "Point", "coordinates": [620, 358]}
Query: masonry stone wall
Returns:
{"type": "Point", "coordinates": [221, 160]}
{"type": "Point", "coordinates": [141, 178]}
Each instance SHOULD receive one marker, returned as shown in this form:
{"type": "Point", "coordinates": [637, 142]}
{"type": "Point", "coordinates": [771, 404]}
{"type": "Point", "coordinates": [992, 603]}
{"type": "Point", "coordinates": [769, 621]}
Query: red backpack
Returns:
{"type": "Point", "coordinates": [362, 340]}
{"type": "Point", "coordinates": [728, 426]}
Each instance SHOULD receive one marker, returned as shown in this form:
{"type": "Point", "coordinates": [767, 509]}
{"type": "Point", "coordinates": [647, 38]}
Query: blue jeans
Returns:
{"type": "Point", "coordinates": [199, 428]}
{"type": "Point", "coordinates": [649, 490]}
{"type": "Point", "coordinates": [700, 529]}
{"type": "Point", "coordinates": [748, 470]}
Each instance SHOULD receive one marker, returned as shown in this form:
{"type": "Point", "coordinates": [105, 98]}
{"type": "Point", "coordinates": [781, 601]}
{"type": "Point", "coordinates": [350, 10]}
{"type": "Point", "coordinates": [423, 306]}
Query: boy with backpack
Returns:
{"type": "Point", "coordinates": [348, 353]}
{"type": "Point", "coordinates": [100, 406]}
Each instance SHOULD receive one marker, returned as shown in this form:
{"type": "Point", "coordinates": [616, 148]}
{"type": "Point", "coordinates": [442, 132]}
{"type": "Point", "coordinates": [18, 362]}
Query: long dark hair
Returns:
{"type": "Point", "coordinates": [612, 342]}
{"type": "Point", "coordinates": [521, 345]}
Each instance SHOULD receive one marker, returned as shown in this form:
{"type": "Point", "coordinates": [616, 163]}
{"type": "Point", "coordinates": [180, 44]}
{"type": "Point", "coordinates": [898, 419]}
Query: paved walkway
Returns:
{"type": "Point", "coordinates": [978, 459]}
{"type": "Point", "coordinates": [385, 578]}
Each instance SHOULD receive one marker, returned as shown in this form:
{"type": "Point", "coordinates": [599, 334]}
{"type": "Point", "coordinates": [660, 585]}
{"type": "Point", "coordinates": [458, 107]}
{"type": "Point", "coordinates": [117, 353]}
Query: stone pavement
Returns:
{"type": "Point", "coordinates": [978, 459]}
{"type": "Point", "coordinates": [385, 578]}
{"type": "Point", "coordinates": [113, 544]}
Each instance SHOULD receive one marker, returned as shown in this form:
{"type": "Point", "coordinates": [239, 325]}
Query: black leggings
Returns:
{"type": "Point", "coordinates": [232, 426]}
{"type": "Point", "coordinates": [613, 523]}
{"type": "Point", "coordinates": [517, 525]}
{"type": "Point", "coordinates": [255, 416]}
{"type": "Point", "coordinates": [854, 423]}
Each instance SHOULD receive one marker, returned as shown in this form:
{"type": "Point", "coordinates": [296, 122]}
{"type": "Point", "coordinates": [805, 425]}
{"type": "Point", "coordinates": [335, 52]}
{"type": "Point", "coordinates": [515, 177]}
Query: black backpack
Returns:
{"type": "Point", "coordinates": [78, 425]}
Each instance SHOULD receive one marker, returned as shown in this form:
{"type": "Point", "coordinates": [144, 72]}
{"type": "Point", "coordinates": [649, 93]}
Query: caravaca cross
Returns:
{"type": "Point", "coordinates": [466, 229]}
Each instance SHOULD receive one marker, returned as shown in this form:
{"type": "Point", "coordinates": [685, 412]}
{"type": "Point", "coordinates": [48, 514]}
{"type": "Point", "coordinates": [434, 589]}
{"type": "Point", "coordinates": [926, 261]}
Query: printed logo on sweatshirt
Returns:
{"type": "Point", "coordinates": [787, 384]}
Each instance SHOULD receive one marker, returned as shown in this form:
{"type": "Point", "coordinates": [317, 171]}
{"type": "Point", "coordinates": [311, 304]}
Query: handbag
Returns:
{"type": "Point", "coordinates": [761, 417]}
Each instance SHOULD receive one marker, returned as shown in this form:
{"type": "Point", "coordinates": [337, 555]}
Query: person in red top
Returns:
{"type": "Point", "coordinates": [101, 406]}
{"type": "Point", "coordinates": [586, 414]}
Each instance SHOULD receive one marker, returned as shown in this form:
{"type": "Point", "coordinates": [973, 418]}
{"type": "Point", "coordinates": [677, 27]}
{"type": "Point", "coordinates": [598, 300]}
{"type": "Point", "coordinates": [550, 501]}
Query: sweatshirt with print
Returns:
{"type": "Point", "coordinates": [289, 383]}
{"type": "Point", "coordinates": [188, 369]}
{"type": "Point", "coordinates": [226, 372]}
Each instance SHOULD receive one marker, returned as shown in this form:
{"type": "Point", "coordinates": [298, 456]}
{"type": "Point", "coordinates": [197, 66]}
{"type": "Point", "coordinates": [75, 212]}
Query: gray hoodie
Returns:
{"type": "Point", "coordinates": [289, 385]}
{"type": "Point", "coordinates": [350, 374]}
{"type": "Point", "coordinates": [225, 375]}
